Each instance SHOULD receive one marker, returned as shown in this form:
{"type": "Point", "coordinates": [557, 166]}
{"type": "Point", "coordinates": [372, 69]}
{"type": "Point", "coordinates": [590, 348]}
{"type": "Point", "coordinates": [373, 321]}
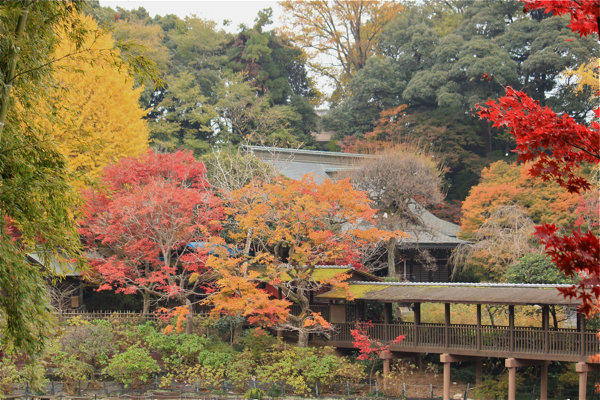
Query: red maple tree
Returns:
{"type": "Point", "coordinates": [585, 14]}
{"type": "Point", "coordinates": [367, 347]}
{"type": "Point", "coordinates": [558, 146]}
{"type": "Point", "coordinates": [148, 225]}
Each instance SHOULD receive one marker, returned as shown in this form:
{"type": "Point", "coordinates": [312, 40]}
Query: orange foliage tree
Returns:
{"type": "Point", "coordinates": [500, 214]}
{"type": "Point", "coordinates": [389, 131]}
{"type": "Point", "coordinates": [504, 184]}
{"type": "Point", "coordinates": [286, 229]}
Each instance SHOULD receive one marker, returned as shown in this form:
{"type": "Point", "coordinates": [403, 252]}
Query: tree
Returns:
{"type": "Point", "coordinates": [558, 146]}
{"type": "Point", "coordinates": [289, 227]}
{"type": "Point", "coordinates": [276, 70]}
{"type": "Point", "coordinates": [347, 31]}
{"type": "Point", "coordinates": [36, 200]}
{"type": "Point", "coordinates": [246, 117]}
{"type": "Point", "coordinates": [150, 225]}
{"type": "Point", "coordinates": [504, 184]}
{"type": "Point", "coordinates": [182, 118]}
{"type": "Point", "coordinates": [537, 269]}
{"type": "Point", "coordinates": [98, 120]}
{"type": "Point", "coordinates": [397, 180]}
{"type": "Point", "coordinates": [433, 59]}
{"type": "Point", "coordinates": [498, 243]}
{"type": "Point", "coordinates": [182, 113]}
{"type": "Point", "coordinates": [230, 169]}
{"type": "Point", "coordinates": [587, 75]}
{"type": "Point", "coordinates": [367, 347]}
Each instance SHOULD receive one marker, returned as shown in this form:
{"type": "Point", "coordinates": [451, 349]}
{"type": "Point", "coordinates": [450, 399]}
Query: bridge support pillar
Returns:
{"type": "Point", "coordinates": [478, 371]}
{"type": "Point", "coordinates": [582, 369]}
{"type": "Point", "coordinates": [511, 364]}
{"type": "Point", "coordinates": [386, 356]}
{"type": "Point", "coordinates": [447, 360]}
{"type": "Point", "coordinates": [544, 381]}
{"type": "Point", "coordinates": [447, 380]}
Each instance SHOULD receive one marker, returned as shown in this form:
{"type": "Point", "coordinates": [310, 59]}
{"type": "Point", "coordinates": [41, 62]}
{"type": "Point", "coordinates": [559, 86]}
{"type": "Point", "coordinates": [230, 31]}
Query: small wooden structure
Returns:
{"type": "Point", "coordinates": [520, 346]}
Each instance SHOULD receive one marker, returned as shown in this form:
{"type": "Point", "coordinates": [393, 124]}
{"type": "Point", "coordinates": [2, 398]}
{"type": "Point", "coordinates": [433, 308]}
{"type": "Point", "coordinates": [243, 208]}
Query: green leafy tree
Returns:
{"type": "Point", "coordinates": [537, 268]}
{"type": "Point", "coordinates": [36, 201]}
{"type": "Point", "coordinates": [442, 57]}
{"type": "Point", "coordinates": [183, 117]}
{"type": "Point", "coordinates": [35, 198]}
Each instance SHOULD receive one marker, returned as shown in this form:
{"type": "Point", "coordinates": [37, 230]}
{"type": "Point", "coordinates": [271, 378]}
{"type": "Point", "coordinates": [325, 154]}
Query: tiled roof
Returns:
{"type": "Point", "coordinates": [466, 293]}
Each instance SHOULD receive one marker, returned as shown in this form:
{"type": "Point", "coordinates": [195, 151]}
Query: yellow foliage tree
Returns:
{"type": "Point", "coordinates": [588, 74]}
{"type": "Point", "coordinates": [348, 31]}
{"type": "Point", "coordinates": [100, 120]}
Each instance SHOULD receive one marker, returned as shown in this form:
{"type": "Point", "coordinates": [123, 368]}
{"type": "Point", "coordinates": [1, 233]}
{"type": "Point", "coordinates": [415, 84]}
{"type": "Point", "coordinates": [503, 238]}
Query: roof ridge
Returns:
{"type": "Point", "coordinates": [465, 284]}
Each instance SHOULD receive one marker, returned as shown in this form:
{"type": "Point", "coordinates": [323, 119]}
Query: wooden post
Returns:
{"type": "Point", "coordinates": [546, 327]}
{"type": "Point", "coordinates": [511, 364]}
{"type": "Point", "coordinates": [511, 327]}
{"type": "Point", "coordinates": [582, 369]}
{"type": "Point", "coordinates": [478, 371]}
{"type": "Point", "coordinates": [417, 318]}
{"type": "Point", "coordinates": [478, 326]}
{"type": "Point", "coordinates": [581, 326]}
{"type": "Point", "coordinates": [447, 325]}
{"type": "Point", "coordinates": [446, 360]}
{"type": "Point", "coordinates": [386, 356]}
{"type": "Point", "coordinates": [544, 381]}
{"type": "Point", "coordinates": [387, 313]}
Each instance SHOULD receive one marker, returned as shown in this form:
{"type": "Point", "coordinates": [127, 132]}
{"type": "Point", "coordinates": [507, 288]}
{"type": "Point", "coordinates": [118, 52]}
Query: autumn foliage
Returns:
{"type": "Point", "coordinates": [147, 225]}
{"type": "Point", "coordinates": [557, 146]}
{"type": "Point", "coordinates": [285, 230]}
{"type": "Point", "coordinates": [368, 348]}
{"type": "Point", "coordinates": [585, 14]}
{"type": "Point", "coordinates": [98, 120]}
{"type": "Point", "coordinates": [505, 184]}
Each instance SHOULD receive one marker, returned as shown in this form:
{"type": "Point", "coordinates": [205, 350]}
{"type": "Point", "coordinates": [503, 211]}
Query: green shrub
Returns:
{"type": "Point", "coordinates": [254, 394]}
{"type": "Point", "coordinates": [495, 388]}
{"type": "Point", "coordinates": [132, 367]}
{"type": "Point", "coordinates": [89, 343]}
{"type": "Point", "coordinates": [211, 368]}
{"type": "Point", "coordinates": [179, 351]}
{"type": "Point", "coordinates": [32, 373]}
{"type": "Point", "coordinates": [301, 368]}
{"type": "Point", "coordinates": [274, 391]}
{"type": "Point", "coordinates": [241, 369]}
{"type": "Point", "coordinates": [257, 341]}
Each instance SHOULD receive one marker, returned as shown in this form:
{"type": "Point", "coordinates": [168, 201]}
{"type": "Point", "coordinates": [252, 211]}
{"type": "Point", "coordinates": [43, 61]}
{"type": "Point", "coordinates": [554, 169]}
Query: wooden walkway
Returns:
{"type": "Point", "coordinates": [570, 345]}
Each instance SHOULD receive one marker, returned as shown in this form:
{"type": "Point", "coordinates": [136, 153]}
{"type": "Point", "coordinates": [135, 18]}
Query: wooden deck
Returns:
{"type": "Point", "coordinates": [563, 344]}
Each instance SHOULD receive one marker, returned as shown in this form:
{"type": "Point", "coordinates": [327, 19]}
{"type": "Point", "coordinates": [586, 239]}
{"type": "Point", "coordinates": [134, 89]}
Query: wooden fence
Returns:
{"type": "Point", "coordinates": [560, 344]}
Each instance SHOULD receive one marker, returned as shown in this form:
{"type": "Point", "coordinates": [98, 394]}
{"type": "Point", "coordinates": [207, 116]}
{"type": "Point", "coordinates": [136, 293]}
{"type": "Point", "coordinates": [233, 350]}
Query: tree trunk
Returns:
{"type": "Point", "coordinates": [302, 338]}
{"type": "Point", "coordinates": [189, 323]}
{"type": "Point", "coordinates": [487, 136]}
{"type": "Point", "coordinates": [391, 256]}
{"type": "Point", "coordinates": [237, 333]}
{"type": "Point", "coordinates": [554, 317]}
{"type": "Point", "coordinates": [11, 68]}
{"type": "Point", "coordinates": [146, 306]}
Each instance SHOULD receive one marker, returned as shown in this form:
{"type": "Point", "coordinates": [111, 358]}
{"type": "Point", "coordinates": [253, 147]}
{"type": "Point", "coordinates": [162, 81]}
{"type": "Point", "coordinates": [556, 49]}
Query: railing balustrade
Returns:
{"type": "Point", "coordinates": [527, 340]}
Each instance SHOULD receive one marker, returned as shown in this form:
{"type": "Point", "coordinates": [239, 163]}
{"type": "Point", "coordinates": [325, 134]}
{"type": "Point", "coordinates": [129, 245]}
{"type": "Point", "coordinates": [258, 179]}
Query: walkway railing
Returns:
{"type": "Point", "coordinates": [133, 316]}
{"type": "Point", "coordinates": [468, 339]}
